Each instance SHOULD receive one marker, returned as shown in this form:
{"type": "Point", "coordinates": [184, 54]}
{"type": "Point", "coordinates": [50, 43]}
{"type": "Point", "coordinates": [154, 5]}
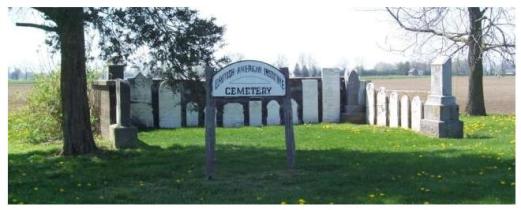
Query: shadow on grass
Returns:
{"type": "Point", "coordinates": [151, 174]}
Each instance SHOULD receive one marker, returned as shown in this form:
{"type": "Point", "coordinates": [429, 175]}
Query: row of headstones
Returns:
{"type": "Point", "coordinates": [393, 110]}
{"type": "Point", "coordinates": [169, 102]}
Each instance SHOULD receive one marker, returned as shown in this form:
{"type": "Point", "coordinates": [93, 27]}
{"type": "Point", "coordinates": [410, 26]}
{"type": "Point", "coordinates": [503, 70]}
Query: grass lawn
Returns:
{"type": "Point", "coordinates": [336, 163]}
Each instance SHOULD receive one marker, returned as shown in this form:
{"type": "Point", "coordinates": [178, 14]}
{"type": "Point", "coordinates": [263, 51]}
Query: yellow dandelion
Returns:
{"type": "Point", "coordinates": [62, 190]}
{"type": "Point", "coordinates": [426, 202]}
{"type": "Point", "coordinates": [35, 188]}
{"type": "Point", "coordinates": [101, 197]}
{"type": "Point", "coordinates": [283, 202]}
{"type": "Point", "coordinates": [301, 201]}
{"type": "Point", "coordinates": [381, 194]}
{"type": "Point", "coordinates": [178, 181]}
{"type": "Point", "coordinates": [79, 185]}
{"type": "Point", "coordinates": [439, 177]}
{"type": "Point", "coordinates": [502, 182]}
{"type": "Point", "coordinates": [88, 184]}
{"type": "Point", "coordinates": [77, 198]}
{"type": "Point", "coordinates": [371, 195]}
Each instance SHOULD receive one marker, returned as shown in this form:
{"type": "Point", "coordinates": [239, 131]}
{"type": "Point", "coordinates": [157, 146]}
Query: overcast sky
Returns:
{"type": "Point", "coordinates": [332, 35]}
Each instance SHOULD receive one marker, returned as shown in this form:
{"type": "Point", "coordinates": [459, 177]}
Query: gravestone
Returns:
{"type": "Point", "coordinates": [192, 115]}
{"type": "Point", "coordinates": [405, 112]}
{"type": "Point", "coordinates": [416, 113]}
{"type": "Point", "coordinates": [273, 117]}
{"type": "Point", "coordinates": [294, 109]}
{"type": "Point", "coordinates": [330, 95]}
{"type": "Point", "coordinates": [381, 107]}
{"type": "Point", "coordinates": [123, 134]}
{"type": "Point", "coordinates": [394, 110]}
{"type": "Point", "coordinates": [169, 106]}
{"type": "Point", "coordinates": [354, 111]}
{"type": "Point", "coordinates": [309, 101]}
{"type": "Point", "coordinates": [362, 94]}
{"type": "Point", "coordinates": [233, 115]}
{"type": "Point", "coordinates": [141, 101]}
{"type": "Point", "coordinates": [441, 113]}
{"type": "Point", "coordinates": [255, 111]}
{"type": "Point", "coordinates": [370, 104]}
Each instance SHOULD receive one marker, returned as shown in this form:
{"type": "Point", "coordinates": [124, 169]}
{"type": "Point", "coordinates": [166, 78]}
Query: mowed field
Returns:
{"type": "Point", "coordinates": [500, 97]}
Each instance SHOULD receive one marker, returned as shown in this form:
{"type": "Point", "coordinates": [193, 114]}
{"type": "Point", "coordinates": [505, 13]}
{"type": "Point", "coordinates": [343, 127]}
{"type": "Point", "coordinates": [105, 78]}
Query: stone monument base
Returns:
{"type": "Point", "coordinates": [442, 129]}
{"type": "Point", "coordinates": [122, 136]}
{"type": "Point", "coordinates": [354, 114]}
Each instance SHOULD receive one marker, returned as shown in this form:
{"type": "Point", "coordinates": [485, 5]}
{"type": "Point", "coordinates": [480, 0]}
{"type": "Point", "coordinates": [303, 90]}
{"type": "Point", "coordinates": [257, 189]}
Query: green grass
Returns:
{"type": "Point", "coordinates": [20, 81]}
{"type": "Point", "coordinates": [336, 163]}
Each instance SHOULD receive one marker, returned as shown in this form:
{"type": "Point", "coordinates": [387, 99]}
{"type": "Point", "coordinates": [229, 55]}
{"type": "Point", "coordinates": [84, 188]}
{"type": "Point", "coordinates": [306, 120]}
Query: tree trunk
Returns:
{"type": "Point", "coordinates": [77, 132]}
{"type": "Point", "coordinates": [476, 101]}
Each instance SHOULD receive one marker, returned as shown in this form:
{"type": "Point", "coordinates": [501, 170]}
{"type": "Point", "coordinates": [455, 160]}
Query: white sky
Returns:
{"type": "Point", "coordinates": [332, 35]}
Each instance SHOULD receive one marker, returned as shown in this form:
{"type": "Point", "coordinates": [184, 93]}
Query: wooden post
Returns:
{"type": "Point", "coordinates": [209, 123]}
{"type": "Point", "coordinates": [288, 122]}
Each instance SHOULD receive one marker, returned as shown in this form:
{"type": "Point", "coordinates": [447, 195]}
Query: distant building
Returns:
{"type": "Point", "coordinates": [415, 72]}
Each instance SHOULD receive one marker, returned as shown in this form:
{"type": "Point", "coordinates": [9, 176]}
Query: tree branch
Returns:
{"type": "Point", "coordinates": [33, 25]}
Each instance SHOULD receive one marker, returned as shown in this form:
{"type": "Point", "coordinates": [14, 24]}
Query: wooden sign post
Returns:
{"type": "Point", "coordinates": [246, 79]}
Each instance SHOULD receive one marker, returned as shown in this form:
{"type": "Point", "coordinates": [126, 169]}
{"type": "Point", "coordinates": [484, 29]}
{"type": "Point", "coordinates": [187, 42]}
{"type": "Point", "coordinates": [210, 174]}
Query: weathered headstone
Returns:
{"type": "Point", "coordinates": [405, 112]}
{"type": "Point", "coordinates": [394, 110]}
{"type": "Point", "coordinates": [362, 93]}
{"type": "Point", "coordinates": [416, 113]}
{"type": "Point", "coordinates": [273, 117]}
{"type": "Point", "coordinates": [381, 107]}
{"type": "Point", "coordinates": [141, 101]}
{"type": "Point", "coordinates": [192, 114]}
{"type": "Point", "coordinates": [233, 115]}
{"type": "Point", "coordinates": [370, 104]}
{"type": "Point", "coordinates": [354, 111]}
{"type": "Point", "coordinates": [441, 113]}
{"type": "Point", "coordinates": [255, 113]}
{"type": "Point", "coordinates": [169, 106]}
{"type": "Point", "coordinates": [309, 101]}
{"type": "Point", "coordinates": [294, 111]}
{"type": "Point", "coordinates": [123, 134]}
{"type": "Point", "coordinates": [330, 95]}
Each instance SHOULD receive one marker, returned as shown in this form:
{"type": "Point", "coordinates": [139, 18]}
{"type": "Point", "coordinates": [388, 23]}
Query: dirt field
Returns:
{"type": "Point", "coordinates": [17, 95]}
{"type": "Point", "coordinates": [499, 92]}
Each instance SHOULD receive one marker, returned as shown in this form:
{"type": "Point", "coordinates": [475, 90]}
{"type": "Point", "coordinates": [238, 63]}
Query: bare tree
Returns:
{"type": "Point", "coordinates": [480, 32]}
{"type": "Point", "coordinates": [281, 61]}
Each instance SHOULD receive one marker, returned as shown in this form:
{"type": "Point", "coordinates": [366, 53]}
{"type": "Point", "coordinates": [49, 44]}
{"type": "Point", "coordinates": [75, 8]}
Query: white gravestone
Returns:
{"type": "Point", "coordinates": [330, 95]}
{"type": "Point", "coordinates": [294, 113]}
{"type": "Point", "coordinates": [405, 112]}
{"type": "Point", "coordinates": [141, 101]}
{"type": "Point", "coordinates": [273, 117]}
{"type": "Point", "coordinates": [441, 113]}
{"type": "Point", "coordinates": [169, 106]}
{"type": "Point", "coordinates": [309, 101]}
{"type": "Point", "coordinates": [394, 110]}
{"type": "Point", "coordinates": [416, 113]}
{"type": "Point", "coordinates": [370, 104]}
{"type": "Point", "coordinates": [192, 115]}
{"type": "Point", "coordinates": [255, 111]}
{"type": "Point", "coordinates": [381, 107]}
{"type": "Point", "coordinates": [233, 115]}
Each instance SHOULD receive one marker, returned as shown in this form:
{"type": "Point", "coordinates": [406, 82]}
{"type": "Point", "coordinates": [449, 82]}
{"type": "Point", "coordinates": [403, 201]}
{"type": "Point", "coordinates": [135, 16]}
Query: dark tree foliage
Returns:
{"type": "Point", "coordinates": [177, 40]}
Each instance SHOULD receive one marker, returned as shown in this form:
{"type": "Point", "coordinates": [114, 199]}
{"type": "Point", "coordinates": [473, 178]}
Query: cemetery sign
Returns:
{"type": "Point", "coordinates": [248, 78]}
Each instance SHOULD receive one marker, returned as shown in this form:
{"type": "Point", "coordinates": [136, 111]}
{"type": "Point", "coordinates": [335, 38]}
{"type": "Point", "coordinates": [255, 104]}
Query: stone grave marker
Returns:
{"type": "Point", "coordinates": [394, 110]}
{"type": "Point", "coordinates": [381, 107]}
{"type": "Point", "coordinates": [233, 115]}
{"type": "Point", "coordinates": [169, 106]}
{"type": "Point", "coordinates": [141, 101]}
{"type": "Point", "coordinates": [309, 101]}
{"type": "Point", "coordinates": [416, 113]}
{"type": "Point", "coordinates": [371, 104]}
{"type": "Point", "coordinates": [405, 112]}
{"type": "Point", "coordinates": [330, 95]}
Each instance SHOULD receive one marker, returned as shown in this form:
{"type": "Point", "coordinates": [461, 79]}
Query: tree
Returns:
{"type": "Point", "coordinates": [482, 32]}
{"type": "Point", "coordinates": [176, 38]}
{"type": "Point", "coordinates": [296, 71]}
{"type": "Point", "coordinates": [281, 61]}
{"type": "Point", "coordinates": [305, 72]}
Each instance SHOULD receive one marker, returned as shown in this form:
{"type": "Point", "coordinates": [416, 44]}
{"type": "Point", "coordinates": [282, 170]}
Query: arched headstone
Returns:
{"type": "Point", "coordinates": [255, 111]}
{"type": "Point", "coordinates": [381, 107]}
{"type": "Point", "coordinates": [273, 117]}
{"type": "Point", "coordinates": [405, 112]}
{"type": "Point", "coordinates": [169, 106]}
{"type": "Point", "coordinates": [192, 114]}
{"type": "Point", "coordinates": [416, 113]}
{"type": "Point", "coordinates": [233, 115]}
{"type": "Point", "coordinates": [370, 104]}
{"type": "Point", "coordinates": [394, 110]}
{"type": "Point", "coordinates": [141, 101]}
{"type": "Point", "coordinates": [294, 109]}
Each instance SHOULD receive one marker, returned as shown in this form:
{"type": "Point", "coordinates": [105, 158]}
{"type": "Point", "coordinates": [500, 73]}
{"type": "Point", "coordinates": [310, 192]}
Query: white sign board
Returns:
{"type": "Point", "coordinates": [248, 78]}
